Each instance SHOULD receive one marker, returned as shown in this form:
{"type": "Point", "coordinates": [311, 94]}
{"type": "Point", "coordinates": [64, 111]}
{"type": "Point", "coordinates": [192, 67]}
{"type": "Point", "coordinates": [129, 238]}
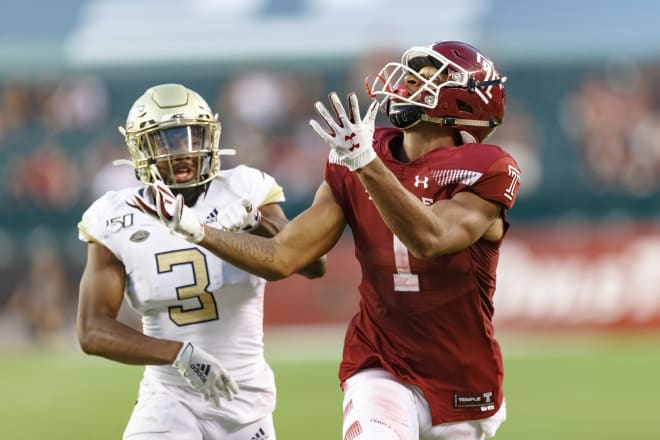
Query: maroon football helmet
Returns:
{"type": "Point", "coordinates": [472, 98]}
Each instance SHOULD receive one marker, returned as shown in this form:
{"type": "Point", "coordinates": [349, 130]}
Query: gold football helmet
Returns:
{"type": "Point", "coordinates": [173, 136]}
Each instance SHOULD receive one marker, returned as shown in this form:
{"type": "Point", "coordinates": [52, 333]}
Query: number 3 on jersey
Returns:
{"type": "Point", "coordinates": [207, 310]}
{"type": "Point", "coordinates": [404, 280]}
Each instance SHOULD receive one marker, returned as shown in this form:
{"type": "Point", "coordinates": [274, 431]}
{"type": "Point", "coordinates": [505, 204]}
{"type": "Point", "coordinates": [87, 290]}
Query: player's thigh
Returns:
{"type": "Point", "coordinates": [159, 414]}
{"type": "Point", "coordinates": [262, 429]}
{"type": "Point", "coordinates": [468, 430]}
{"type": "Point", "coordinates": [378, 406]}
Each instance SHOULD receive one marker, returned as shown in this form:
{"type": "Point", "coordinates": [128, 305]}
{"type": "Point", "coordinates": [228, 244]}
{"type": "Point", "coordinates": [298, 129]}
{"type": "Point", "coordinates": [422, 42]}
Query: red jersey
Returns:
{"type": "Point", "coordinates": [428, 322]}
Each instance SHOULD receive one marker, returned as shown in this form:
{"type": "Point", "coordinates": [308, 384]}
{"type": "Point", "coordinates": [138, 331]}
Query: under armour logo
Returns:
{"type": "Point", "coordinates": [352, 139]}
{"type": "Point", "coordinates": [488, 397]}
{"type": "Point", "coordinates": [424, 182]}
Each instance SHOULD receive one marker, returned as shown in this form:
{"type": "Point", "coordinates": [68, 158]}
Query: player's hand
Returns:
{"type": "Point", "coordinates": [205, 374]}
{"type": "Point", "coordinates": [350, 136]}
{"type": "Point", "coordinates": [240, 216]}
{"type": "Point", "coordinates": [163, 205]}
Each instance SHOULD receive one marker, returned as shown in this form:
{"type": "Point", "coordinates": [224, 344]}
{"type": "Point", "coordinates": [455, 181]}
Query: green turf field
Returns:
{"type": "Point", "coordinates": [564, 388]}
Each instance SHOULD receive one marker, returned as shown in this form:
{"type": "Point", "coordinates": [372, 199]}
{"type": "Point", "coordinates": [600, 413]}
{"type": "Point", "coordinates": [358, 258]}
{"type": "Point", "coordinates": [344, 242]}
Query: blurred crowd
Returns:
{"type": "Point", "coordinates": [58, 139]}
{"type": "Point", "coordinates": [614, 118]}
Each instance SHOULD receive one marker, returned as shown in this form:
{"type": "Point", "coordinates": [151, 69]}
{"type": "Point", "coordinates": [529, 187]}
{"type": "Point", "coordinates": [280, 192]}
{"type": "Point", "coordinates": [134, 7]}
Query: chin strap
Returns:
{"type": "Point", "coordinates": [449, 121]}
{"type": "Point", "coordinates": [406, 116]}
{"type": "Point", "coordinates": [411, 115]}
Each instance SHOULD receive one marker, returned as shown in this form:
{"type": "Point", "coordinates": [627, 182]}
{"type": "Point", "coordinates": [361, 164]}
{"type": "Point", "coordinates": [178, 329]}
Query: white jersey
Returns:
{"type": "Point", "coordinates": [182, 291]}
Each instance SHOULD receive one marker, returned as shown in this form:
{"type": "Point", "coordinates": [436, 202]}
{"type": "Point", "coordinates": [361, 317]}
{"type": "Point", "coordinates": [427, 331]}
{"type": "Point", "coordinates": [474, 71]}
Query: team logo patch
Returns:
{"type": "Point", "coordinates": [468, 400]}
{"type": "Point", "coordinates": [139, 236]}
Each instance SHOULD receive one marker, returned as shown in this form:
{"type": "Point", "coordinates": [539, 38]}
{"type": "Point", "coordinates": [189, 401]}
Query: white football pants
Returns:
{"type": "Point", "coordinates": [380, 407]}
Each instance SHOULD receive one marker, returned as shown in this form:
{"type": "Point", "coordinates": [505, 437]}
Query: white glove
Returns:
{"type": "Point", "coordinates": [171, 211]}
{"type": "Point", "coordinates": [349, 136]}
{"type": "Point", "coordinates": [239, 217]}
{"type": "Point", "coordinates": [205, 374]}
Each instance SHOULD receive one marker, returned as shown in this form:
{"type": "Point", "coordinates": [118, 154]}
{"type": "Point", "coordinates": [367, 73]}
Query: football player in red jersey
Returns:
{"type": "Point", "coordinates": [426, 202]}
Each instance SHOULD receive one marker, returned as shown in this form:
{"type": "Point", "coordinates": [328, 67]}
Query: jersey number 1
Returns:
{"type": "Point", "coordinates": [404, 280]}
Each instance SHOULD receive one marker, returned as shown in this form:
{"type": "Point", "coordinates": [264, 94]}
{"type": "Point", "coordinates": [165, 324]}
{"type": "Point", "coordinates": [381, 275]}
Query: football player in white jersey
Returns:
{"type": "Point", "coordinates": [205, 374]}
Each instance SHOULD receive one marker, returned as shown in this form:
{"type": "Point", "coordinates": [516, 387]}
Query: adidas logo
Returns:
{"type": "Point", "coordinates": [212, 217]}
{"type": "Point", "coordinates": [202, 370]}
{"type": "Point", "coordinates": [260, 435]}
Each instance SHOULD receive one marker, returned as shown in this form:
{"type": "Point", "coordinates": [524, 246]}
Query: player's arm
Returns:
{"type": "Point", "coordinates": [448, 226]}
{"type": "Point", "coordinates": [429, 231]}
{"type": "Point", "coordinates": [303, 240]}
{"type": "Point", "coordinates": [273, 220]}
{"type": "Point", "coordinates": [99, 332]}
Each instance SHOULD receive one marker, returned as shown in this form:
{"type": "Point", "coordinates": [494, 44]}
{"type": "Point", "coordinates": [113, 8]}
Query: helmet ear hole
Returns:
{"type": "Point", "coordinates": [463, 106]}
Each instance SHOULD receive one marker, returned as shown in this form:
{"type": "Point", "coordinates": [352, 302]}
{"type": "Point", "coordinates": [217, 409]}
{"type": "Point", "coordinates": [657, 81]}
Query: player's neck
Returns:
{"type": "Point", "coordinates": [417, 142]}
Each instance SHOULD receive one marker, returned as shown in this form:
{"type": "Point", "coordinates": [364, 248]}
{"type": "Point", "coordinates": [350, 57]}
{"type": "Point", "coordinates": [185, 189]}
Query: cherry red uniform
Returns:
{"type": "Point", "coordinates": [428, 322]}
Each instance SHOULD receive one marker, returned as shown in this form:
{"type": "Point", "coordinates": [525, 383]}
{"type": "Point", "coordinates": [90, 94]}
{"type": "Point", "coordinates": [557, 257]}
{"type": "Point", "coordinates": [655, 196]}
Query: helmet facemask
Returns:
{"type": "Point", "coordinates": [388, 86]}
{"type": "Point", "coordinates": [169, 152]}
{"type": "Point", "coordinates": [173, 136]}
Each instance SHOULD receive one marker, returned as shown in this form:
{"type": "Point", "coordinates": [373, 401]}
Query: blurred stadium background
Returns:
{"type": "Point", "coordinates": [578, 302]}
